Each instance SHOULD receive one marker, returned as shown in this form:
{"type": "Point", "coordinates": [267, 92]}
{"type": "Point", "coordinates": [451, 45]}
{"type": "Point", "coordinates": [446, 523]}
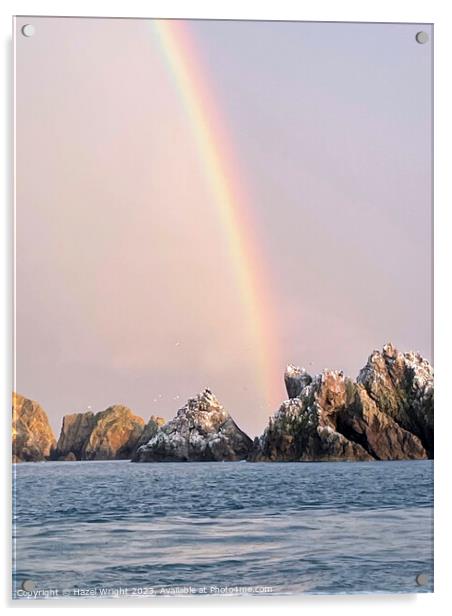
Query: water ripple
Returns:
{"type": "Point", "coordinates": [316, 528]}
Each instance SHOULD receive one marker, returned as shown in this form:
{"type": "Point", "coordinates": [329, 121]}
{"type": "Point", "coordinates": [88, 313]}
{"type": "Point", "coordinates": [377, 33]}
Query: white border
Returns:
{"type": "Point", "coordinates": [427, 11]}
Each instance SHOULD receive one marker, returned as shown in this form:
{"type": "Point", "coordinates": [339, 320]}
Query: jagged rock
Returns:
{"type": "Point", "coordinates": [33, 438]}
{"type": "Point", "coordinates": [300, 432]}
{"type": "Point", "coordinates": [75, 432]}
{"type": "Point", "coordinates": [296, 379]}
{"type": "Point", "coordinates": [108, 435]}
{"type": "Point", "coordinates": [355, 415]}
{"type": "Point", "coordinates": [115, 434]}
{"type": "Point", "coordinates": [149, 432]}
{"type": "Point", "coordinates": [201, 431]}
{"type": "Point", "coordinates": [401, 385]}
{"type": "Point", "coordinates": [386, 415]}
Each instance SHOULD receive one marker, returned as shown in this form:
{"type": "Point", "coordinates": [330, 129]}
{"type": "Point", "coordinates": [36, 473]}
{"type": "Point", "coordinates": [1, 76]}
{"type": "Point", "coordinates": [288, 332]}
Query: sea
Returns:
{"type": "Point", "coordinates": [121, 529]}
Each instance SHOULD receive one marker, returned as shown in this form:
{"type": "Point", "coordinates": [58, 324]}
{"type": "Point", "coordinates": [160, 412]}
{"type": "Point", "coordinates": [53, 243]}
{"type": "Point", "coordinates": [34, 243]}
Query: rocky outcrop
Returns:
{"type": "Point", "coordinates": [75, 432]}
{"type": "Point", "coordinates": [296, 380]}
{"type": "Point", "coordinates": [401, 385]}
{"type": "Point", "coordinates": [361, 421]}
{"type": "Point", "coordinates": [33, 438]}
{"type": "Point", "coordinates": [150, 430]}
{"type": "Point", "coordinates": [201, 431]}
{"type": "Point", "coordinates": [301, 432]}
{"type": "Point", "coordinates": [387, 414]}
{"type": "Point", "coordinates": [112, 434]}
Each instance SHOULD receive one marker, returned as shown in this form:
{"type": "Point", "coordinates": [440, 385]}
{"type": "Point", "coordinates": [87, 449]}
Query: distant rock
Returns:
{"type": "Point", "coordinates": [301, 432]}
{"type": "Point", "coordinates": [75, 432]}
{"type": "Point", "coordinates": [296, 380]}
{"type": "Point", "coordinates": [108, 435]}
{"type": "Point", "coordinates": [33, 438]}
{"type": "Point", "coordinates": [386, 415]}
{"type": "Point", "coordinates": [150, 430]}
{"type": "Point", "coordinates": [401, 385]}
{"type": "Point", "coordinates": [202, 431]}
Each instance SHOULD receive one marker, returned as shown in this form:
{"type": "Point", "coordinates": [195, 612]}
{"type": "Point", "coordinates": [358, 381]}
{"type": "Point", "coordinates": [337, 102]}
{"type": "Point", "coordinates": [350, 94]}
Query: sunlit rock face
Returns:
{"type": "Point", "coordinates": [112, 434]}
{"type": "Point", "coordinates": [387, 414]}
{"type": "Point", "coordinates": [32, 437]}
{"type": "Point", "coordinates": [401, 385]}
{"type": "Point", "coordinates": [201, 431]}
{"type": "Point", "coordinates": [75, 432]}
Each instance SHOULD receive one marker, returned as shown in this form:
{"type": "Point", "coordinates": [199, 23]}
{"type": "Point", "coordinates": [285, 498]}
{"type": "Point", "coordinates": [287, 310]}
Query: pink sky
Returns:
{"type": "Point", "coordinates": [125, 289]}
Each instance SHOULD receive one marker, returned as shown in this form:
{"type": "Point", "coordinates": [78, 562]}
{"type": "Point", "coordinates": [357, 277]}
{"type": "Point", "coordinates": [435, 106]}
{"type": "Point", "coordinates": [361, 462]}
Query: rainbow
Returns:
{"type": "Point", "coordinates": [221, 172]}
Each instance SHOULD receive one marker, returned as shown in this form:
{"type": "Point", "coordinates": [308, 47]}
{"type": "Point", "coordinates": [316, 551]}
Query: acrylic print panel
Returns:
{"type": "Point", "coordinates": [223, 254]}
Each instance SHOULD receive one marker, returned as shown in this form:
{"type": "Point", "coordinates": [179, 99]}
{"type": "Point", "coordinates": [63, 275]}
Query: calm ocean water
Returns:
{"type": "Point", "coordinates": [117, 528]}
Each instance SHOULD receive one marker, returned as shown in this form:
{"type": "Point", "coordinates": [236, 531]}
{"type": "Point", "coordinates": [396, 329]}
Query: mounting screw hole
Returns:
{"type": "Point", "coordinates": [422, 38]}
{"type": "Point", "coordinates": [28, 30]}
{"type": "Point", "coordinates": [422, 579]}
